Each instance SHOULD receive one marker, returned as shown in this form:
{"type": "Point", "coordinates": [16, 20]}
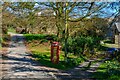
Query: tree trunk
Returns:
{"type": "Point", "coordinates": [66, 34]}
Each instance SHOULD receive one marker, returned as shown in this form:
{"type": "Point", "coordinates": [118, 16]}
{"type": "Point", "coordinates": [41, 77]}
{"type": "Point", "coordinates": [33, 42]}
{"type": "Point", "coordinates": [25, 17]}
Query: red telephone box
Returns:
{"type": "Point", "coordinates": [55, 50]}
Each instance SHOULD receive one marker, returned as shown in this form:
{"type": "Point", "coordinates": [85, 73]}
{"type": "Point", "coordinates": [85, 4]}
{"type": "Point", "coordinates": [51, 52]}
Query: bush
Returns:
{"type": "Point", "coordinates": [44, 40]}
{"type": "Point", "coordinates": [109, 70]}
{"type": "Point", "coordinates": [34, 36]}
{"type": "Point", "coordinates": [51, 37]}
{"type": "Point", "coordinates": [74, 61]}
{"type": "Point", "coordinates": [29, 37]}
{"type": "Point", "coordinates": [77, 45]}
{"type": "Point", "coordinates": [113, 69]}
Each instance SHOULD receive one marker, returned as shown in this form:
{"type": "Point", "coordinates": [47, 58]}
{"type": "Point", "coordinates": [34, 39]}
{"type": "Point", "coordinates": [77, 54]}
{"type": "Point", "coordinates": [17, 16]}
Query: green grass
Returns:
{"type": "Point", "coordinates": [42, 54]}
{"type": "Point", "coordinates": [11, 30]}
{"type": "Point", "coordinates": [109, 44]}
{"type": "Point", "coordinates": [44, 58]}
{"type": "Point", "coordinates": [109, 70]}
{"type": "Point", "coordinates": [39, 45]}
{"type": "Point", "coordinates": [107, 41]}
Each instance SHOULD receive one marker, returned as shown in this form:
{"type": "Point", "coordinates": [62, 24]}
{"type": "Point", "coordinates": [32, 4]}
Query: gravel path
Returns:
{"type": "Point", "coordinates": [18, 63]}
{"type": "Point", "coordinates": [82, 72]}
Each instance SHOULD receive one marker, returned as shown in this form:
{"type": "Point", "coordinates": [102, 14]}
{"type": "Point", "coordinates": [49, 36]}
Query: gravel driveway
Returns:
{"type": "Point", "coordinates": [18, 65]}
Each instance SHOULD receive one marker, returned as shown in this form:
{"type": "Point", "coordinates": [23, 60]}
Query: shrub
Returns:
{"type": "Point", "coordinates": [113, 69]}
{"type": "Point", "coordinates": [34, 36]}
{"type": "Point", "coordinates": [44, 40]}
{"type": "Point", "coordinates": [74, 61]}
{"type": "Point", "coordinates": [39, 37]}
{"type": "Point", "coordinates": [78, 44]}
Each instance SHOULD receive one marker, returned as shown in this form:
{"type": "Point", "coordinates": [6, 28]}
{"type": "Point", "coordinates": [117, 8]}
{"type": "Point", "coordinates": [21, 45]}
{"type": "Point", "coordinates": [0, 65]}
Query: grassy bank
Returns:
{"type": "Point", "coordinates": [109, 70]}
{"type": "Point", "coordinates": [42, 54]}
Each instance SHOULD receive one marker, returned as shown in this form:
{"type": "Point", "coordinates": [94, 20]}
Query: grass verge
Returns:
{"type": "Point", "coordinates": [41, 53]}
{"type": "Point", "coordinates": [10, 29]}
{"type": "Point", "coordinates": [109, 70]}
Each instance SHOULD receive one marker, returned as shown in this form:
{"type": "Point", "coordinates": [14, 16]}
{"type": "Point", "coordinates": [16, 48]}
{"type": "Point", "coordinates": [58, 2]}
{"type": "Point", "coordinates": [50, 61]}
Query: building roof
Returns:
{"type": "Point", "coordinates": [118, 26]}
{"type": "Point", "coordinates": [46, 12]}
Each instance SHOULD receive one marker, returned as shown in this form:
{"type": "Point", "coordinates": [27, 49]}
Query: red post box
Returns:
{"type": "Point", "coordinates": [55, 50]}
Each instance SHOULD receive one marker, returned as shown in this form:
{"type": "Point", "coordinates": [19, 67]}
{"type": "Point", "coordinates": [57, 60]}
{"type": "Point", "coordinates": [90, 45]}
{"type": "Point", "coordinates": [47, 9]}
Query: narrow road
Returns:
{"type": "Point", "coordinates": [17, 63]}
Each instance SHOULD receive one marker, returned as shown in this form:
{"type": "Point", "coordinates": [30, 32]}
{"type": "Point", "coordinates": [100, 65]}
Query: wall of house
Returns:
{"type": "Point", "coordinates": [116, 39]}
{"type": "Point", "coordinates": [116, 36]}
{"type": "Point", "coordinates": [119, 40]}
